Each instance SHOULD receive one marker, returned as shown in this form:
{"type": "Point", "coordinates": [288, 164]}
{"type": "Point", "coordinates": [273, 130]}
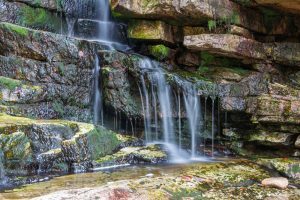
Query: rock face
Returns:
{"type": "Point", "coordinates": [41, 69]}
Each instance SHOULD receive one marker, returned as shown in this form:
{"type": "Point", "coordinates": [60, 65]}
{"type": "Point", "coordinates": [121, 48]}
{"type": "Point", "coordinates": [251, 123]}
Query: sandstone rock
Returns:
{"type": "Point", "coordinates": [277, 182]}
{"type": "Point", "coordinates": [151, 30]}
{"type": "Point", "coordinates": [271, 138]}
{"type": "Point", "coordinates": [243, 48]}
{"type": "Point", "coordinates": [189, 12]}
{"type": "Point", "coordinates": [236, 30]}
{"type": "Point", "coordinates": [227, 45]}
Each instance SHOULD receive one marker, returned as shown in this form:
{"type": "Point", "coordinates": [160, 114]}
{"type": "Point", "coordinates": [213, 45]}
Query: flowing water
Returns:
{"type": "Point", "coordinates": [161, 97]}
{"type": "Point", "coordinates": [193, 111]}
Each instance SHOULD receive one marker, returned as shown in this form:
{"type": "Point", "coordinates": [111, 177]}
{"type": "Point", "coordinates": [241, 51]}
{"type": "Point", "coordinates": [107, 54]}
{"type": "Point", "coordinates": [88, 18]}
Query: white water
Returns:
{"type": "Point", "coordinates": [193, 111]}
{"type": "Point", "coordinates": [161, 95]}
{"type": "Point", "coordinates": [97, 108]}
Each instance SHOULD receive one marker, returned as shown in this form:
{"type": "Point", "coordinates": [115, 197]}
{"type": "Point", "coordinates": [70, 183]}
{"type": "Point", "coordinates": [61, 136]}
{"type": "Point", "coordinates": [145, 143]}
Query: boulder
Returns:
{"type": "Point", "coordinates": [276, 182]}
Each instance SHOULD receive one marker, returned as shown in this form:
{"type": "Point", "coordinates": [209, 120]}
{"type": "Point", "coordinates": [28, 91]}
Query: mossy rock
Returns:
{"type": "Point", "coordinates": [286, 166]}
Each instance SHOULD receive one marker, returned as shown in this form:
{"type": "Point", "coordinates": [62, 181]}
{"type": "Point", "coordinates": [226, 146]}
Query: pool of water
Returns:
{"type": "Point", "coordinates": [96, 179]}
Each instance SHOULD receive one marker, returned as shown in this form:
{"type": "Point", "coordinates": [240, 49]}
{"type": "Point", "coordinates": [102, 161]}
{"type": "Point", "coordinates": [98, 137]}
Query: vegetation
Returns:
{"type": "Point", "coordinates": [17, 29]}
{"type": "Point", "coordinates": [38, 18]}
{"type": "Point", "coordinates": [9, 83]}
{"type": "Point", "coordinates": [224, 21]}
{"type": "Point", "coordinates": [160, 52]}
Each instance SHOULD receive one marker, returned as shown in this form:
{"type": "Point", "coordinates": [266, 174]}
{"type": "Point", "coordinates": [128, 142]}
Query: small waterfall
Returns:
{"type": "Point", "coordinates": [2, 171]}
{"type": "Point", "coordinates": [179, 120]}
{"type": "Point", "coordinates": [212, 126]}
{"type": "Point", "coordinates": [193, 111]}
{"type": "Point", "coordinates": [104, 21]}
{"type": "Point", "coordinates": [98, 105]}
{"type": "Point", "coordinates": [160, 92]}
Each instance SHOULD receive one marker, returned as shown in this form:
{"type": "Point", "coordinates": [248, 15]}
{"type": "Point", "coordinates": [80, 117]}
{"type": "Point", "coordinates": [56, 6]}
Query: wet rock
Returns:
{"type": "Point", "coordinates": [133, 155]}
{"type": "Point", "coordinates": [31, 16]}
{"type": "Point", "coordinates": [118, 69]}
{"type": "Point", "coordinates": [51, 146]}
{"type": "Point", "coordinates": [277, 182]}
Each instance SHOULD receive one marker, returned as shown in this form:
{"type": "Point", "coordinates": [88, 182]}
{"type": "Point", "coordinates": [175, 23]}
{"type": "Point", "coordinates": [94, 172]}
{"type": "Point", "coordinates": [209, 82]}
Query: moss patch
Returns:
{"type": "Point", "coordinates": [160, 52]}
{"type": "Point", "coordinates": [9, 83]}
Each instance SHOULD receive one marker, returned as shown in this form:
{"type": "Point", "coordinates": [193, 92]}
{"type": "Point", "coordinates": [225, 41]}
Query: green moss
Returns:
{"type": "Point", "coordinates": [38, 18]}
{"type": "Point", "coordinates": [142, 29]}
{"type": "Point", "coordinates": [102, 142]}
{"type": "Point", "coordinates": [160, 52]}
{"type": "Point", "coordinates": [9, 83]}
{"type": "Point", "coordinates": [17, 29]}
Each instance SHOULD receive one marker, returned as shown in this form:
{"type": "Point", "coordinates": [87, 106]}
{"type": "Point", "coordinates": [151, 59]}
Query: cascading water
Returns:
{"type": "Point", "coordinates": [193, 111]}
{"type": "Point", "coordinates": [2, 171]}
{"type": "Point", "coordinates": [156, 99]}
{"type": "Point", "coordinates": [160, 88]}
{"type": "Point", "coordinates": [98, 108]}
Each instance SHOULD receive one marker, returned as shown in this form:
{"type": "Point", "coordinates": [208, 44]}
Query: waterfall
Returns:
{"type": "Point", "coordinates": [193, 111]}
{"type": "Point", "coordinates": [2, 171]}
{"type": "Point", "coordinates": [97, 108]}
{"type": "Point", "coordinates": [179, 121]}
{"type": "Point", "coordinates": [161, 93]}
{"type": "Point", "coordinates": [212, 126]}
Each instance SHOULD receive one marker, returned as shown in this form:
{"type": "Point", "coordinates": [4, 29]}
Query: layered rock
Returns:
{"type": "Point", "coordinates": [243, 48]}
{"type": "Point", "coordinates": [199, 12]}
{"type": "Point", "coordinates": [43, 69]}
{"type": "Point", "coordinates": [288, 6]}
{"type": "Point", "coordinates": [29, 145]}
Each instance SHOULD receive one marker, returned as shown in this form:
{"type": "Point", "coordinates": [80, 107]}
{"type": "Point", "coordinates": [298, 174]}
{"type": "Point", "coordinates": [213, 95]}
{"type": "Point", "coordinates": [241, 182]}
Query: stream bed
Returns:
{"type": "Point", "coordinates": [225, 179]}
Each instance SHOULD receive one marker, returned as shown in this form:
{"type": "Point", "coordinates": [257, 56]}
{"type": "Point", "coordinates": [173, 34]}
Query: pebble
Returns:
{"type": "Point", "coordinates": [276, 182]}
{"type": "Point", "coordinates": [149, 175]}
